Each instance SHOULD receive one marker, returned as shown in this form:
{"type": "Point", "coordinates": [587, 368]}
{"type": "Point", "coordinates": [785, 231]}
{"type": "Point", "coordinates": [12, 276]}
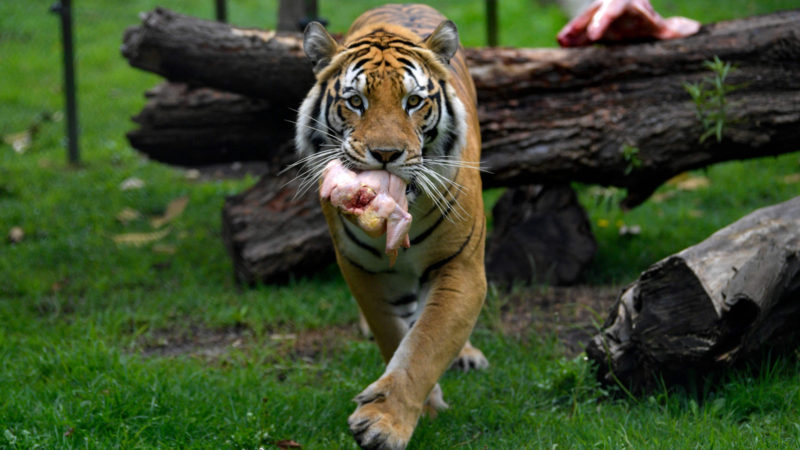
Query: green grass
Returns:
{"type": "Point", "coordinates": [78, 311]}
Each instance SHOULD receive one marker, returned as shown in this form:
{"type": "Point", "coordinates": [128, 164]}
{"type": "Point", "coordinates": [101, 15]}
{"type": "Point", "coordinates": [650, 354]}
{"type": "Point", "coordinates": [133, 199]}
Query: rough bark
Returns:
{"type": "Point", "coordinates": [568, 114]}
{"type": "Point", "coordinates": [272, 236]}
{"type": "Point", "coordinates": [547, 115]}
{"type": "Point", "coordinates": [541, 234]}
{"type": "Point", "coordinates": [719, 302]}
{"type": "Point", "coordinates": [257, 63]}
{"type": "Point", "coordinates": [198, 126]}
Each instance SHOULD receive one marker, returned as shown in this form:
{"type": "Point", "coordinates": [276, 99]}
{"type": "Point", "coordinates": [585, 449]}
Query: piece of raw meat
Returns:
{"type": "Point", "coordinates": [619, 20]}
{"type": "Point", "coordinates": [376, 199]}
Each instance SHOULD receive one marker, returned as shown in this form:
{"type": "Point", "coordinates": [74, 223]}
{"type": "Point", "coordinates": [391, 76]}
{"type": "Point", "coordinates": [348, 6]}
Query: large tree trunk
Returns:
{"type": "Point", "coordinates": [709, 306]}
{"type": "Point", "coordinates": [615, 115]}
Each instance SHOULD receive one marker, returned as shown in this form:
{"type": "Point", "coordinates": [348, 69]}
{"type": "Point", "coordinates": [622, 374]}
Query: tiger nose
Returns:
{"type": "Point", "coordinates": [386, 155]}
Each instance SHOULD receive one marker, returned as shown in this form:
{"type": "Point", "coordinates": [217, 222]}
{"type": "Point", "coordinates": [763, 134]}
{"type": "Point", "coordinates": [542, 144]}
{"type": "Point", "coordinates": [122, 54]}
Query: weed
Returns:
{"type": "Point", "coordinates": [631, 156]}
{"type": "Point", "coordinates": [709, 98]}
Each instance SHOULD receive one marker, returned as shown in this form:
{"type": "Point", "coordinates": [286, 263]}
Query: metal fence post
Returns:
{"type": "Point", "coordinates": [491, 23]}
{"type": "Point", "coordinates": [64, 9]}
{"type": "Point", "coordinates": [222, 11]}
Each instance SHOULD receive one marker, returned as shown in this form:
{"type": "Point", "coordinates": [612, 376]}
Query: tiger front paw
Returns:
{"type": "Point", "coordinates": [383, 420]}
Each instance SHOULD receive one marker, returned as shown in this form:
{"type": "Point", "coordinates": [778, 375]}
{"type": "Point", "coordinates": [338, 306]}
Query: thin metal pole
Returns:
{"type": "Point", "coordinates": [64, 9]}
{"type": "Point", "coordinates": [222, 11]}
{"type": "Point", "coordinates": [491, 22]}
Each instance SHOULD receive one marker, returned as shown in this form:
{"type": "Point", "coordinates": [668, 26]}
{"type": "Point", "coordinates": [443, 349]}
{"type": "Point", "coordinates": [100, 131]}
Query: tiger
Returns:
{"type": "Point", "coordinates": [396, 95]}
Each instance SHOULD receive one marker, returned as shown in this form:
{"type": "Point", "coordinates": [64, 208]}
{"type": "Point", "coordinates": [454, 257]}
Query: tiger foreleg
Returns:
{"type": "Point", "coordinates": [389, 408]}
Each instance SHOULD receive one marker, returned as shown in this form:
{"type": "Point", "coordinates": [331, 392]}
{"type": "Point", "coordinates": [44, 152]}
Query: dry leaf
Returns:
{"type": "Point", "coordinates": [165, 248]}
{"type": "Point", "coordinates": [139, 239]}
{"type": "Point", "coordinates": [678, 178]}
{"type": "Point", "coordinates": [283, 337]}
{"type": "Point", "coordinates": [695, 213]}
{"type": "Point", "coordinates": [128, 215]}
{"type": "Point", "coordinates": [662, 196]}
{"type": "Point", "coordinates": [19, 141]}
{"type": "Point", "coordinates": [131, 183]}
{"type": "Point", "coordinates": [16, 234]}
{"type": "Point", "coordinates": [693, 183]}
{"type": "Point", "coordinates": [288, 443]}
{"type": "Point", "coordinates": [791, 179]}
{"type": "Point", "coordinates": [174, 209]}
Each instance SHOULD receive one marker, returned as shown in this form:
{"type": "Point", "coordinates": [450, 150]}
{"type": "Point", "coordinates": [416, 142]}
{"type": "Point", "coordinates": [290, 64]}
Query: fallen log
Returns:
{"type": "Point", "coordinates": [273, 235]}
{"type": "Point", "coordinates": [717, 303]}
{"type": "Point", "coordinates": [616, 115]}
{"type": "Point", "coordinates": [198, 126]}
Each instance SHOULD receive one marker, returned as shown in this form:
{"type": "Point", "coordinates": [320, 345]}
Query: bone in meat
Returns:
{"type": "Point", "coordinates": [376, 199]}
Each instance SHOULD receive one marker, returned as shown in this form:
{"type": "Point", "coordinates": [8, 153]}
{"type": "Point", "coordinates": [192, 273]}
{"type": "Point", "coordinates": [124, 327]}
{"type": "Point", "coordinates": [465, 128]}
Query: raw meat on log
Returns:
{"type": "Point", "coordinates": [623, 20]}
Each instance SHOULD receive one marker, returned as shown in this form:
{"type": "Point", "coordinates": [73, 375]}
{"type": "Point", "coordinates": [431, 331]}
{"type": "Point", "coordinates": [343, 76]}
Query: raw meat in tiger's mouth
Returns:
{"type": "Point", "coordinates": [375, 198]}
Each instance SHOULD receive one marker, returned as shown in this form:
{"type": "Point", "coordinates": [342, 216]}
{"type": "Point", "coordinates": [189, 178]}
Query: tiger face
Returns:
{"type": "Point", "coordinates": [383, 102]}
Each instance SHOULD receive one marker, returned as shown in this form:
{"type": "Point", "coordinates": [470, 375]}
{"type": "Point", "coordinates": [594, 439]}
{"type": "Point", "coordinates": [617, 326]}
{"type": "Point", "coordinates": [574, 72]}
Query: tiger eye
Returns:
{"type": "Point", "coordinates": [413, 101]}
{"type": "Point", "coordinates": [355, 101]}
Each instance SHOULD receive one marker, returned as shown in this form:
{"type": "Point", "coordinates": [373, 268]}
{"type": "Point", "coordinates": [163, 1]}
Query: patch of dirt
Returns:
{"type": "Point", "coordinates": [571, 313]}
{"type": "Point", "coordinates": [213, 343]}
{"type": "Point", "coordinates": [195, 341]}
{"type": "Point", "coordinates": [228, 171]}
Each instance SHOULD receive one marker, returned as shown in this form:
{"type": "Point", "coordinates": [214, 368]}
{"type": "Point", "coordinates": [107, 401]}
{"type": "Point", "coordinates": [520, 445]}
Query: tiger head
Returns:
{"type": "Point", "coordinates": [382, 101]}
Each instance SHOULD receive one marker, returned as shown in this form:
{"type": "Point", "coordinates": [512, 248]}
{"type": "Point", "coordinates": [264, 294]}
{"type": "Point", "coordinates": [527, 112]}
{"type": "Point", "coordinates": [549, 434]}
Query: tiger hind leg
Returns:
{"type": "Point", "coordinates": [470, 358]}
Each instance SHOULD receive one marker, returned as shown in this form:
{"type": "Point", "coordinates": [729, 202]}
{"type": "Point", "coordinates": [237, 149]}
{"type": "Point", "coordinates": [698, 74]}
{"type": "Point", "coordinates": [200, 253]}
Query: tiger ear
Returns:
{"type": "Point", "coordinates": [319, 45]}
{"type": "Point", "coordinates": [443, 41]}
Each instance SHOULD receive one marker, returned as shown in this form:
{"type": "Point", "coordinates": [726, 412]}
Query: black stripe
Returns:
{"type": "Point", "coordinates": [453, 198]}
{"type": "Point", "coordinates": [328, 102]}
{"type": "Point", "coordinates": [357, 241]}
{"type": "Point", "coordinates": [315, 112]}
{"type": "Point", "coordinates": [402, 41]}
{"type": "Point", "coordinates": [360, 63]}
{"type": "Point", "coordinates": [358, 266]}
{"type": "Point", "coordinates": [438, 264]}
{"type": "Point", "coordinates": [450, 137]}
{"type": "Point", "coordinates": [410, 73]}
{"type": "Point", "coordinates": [339, 113]}
{"type": "Point", "coordinates": [407, 314]}
{"type": "Point", "coordinates": [448, 143]}
{"type": "Point", "coordinates": [421, 237]}
{"type": "Point", "coordinates": [404, 300]}
{"type": "Point", "coordinates": [405, 61]}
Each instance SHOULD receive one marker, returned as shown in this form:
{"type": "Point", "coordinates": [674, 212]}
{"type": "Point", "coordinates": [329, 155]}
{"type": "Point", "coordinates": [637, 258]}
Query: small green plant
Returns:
{"type": "Point", "coordinates": [709, 98]}
{"type": "Point", "coordinates": [631, 155]}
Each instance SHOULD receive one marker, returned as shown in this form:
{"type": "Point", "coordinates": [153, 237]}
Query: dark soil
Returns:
{"type": "Point", "coordinates": [573, 313]}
